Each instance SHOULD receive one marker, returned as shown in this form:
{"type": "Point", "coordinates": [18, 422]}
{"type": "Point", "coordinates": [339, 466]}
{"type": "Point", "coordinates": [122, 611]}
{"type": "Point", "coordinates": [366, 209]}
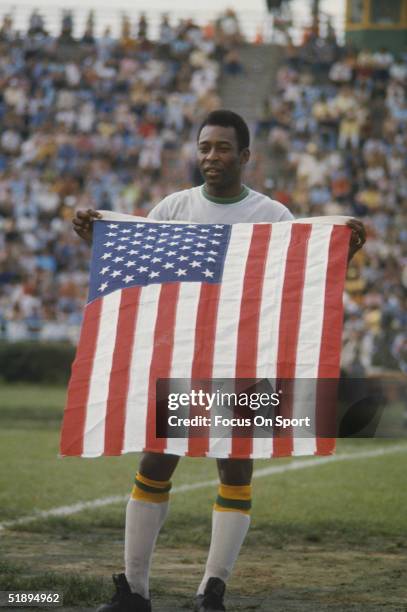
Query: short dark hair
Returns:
{"type": "Point", "coordinates": [227, 118]}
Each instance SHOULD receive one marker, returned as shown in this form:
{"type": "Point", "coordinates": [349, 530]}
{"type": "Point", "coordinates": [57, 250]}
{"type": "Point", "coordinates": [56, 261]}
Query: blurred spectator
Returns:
{"type": "Point", "coordinates": [232, 63]}
{"type": "Point", "coordinates": [66, 36]}
{"type": "Point", "coordinates": [142, 28]}
{"type": "Point", "coordinates": [229, 29]}
{"type": "Point", "coordinates": [88, 37]}
{"type": "Point", "coordinates": [36, 24]}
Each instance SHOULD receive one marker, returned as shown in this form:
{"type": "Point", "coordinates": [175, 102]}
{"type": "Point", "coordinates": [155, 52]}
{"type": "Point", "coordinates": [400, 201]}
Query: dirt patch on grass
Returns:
{"type": "Point", "coordinates": [311, 578]}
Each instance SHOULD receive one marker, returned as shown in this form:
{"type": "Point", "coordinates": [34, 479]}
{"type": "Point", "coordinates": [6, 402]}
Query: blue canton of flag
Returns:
{"type": "Point", "coordinates": [139, 254]}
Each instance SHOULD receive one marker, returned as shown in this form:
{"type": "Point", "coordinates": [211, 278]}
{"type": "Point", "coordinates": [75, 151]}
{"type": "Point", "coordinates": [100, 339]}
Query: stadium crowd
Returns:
{"type": "Point", "coordinates": [106, 123]}
{"type": "Point", "coordinates": [335, 129]}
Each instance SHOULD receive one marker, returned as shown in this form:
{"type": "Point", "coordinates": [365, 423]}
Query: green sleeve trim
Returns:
{"type": "Point", "coordinates": [242, 195]}
{"type": "Point", "coordinates": [238, 504]}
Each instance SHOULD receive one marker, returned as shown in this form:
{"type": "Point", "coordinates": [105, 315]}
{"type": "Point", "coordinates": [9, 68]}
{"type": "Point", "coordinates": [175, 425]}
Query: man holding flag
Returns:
{"type": "Point", "coordinates": [223, 152]}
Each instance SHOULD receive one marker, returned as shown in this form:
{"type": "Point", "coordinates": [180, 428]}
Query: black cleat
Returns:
{"type": "Point", "coordinates": [124, 600]}
{"type": "Point", "coordinates": [212, 599]}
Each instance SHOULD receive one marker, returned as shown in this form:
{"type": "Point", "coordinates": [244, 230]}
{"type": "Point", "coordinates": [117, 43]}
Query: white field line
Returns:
{"type": "Point", "coordinates": [261, 473]}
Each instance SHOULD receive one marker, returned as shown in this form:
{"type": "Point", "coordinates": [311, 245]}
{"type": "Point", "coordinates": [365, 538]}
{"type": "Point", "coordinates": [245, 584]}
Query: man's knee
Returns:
{"type": "Point", "coordinates": [157, 466]}
{"type": "Point", "coordinates": [237, 472]}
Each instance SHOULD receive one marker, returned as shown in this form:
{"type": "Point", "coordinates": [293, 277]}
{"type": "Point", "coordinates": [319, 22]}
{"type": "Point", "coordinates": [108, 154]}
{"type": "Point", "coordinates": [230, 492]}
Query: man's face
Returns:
{"type": "Point", "coordinates": [220, 161]}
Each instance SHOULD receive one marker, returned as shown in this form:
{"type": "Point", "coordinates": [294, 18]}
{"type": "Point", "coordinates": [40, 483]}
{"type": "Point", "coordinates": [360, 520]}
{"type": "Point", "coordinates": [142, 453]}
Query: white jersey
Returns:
{"type": "Point", "coordinates": [197, 206]}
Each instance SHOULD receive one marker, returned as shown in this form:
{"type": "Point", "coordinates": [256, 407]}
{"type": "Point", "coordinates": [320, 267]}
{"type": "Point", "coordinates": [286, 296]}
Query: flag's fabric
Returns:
{"type": "Point", "coordinates": [185, 300]}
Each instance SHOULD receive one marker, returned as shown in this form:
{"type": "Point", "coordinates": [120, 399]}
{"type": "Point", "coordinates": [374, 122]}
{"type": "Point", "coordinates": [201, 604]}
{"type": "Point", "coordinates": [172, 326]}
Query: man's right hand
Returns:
{"type": "Point", "coordinates": [83, 223]}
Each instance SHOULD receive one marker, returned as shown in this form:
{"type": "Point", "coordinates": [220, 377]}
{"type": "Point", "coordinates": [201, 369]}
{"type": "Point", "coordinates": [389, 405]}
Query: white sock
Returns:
{"type": "Point", "coordinates": [143, 523]}
{"type": "Point", "coordinates": [229, 530]}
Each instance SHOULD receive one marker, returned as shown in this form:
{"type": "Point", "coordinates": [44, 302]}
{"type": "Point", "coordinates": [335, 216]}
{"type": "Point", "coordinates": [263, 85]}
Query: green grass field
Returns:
{"type": "Point", "coordinates": [331, 537]}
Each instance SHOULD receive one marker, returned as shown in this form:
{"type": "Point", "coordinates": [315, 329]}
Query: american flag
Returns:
{"type": "Point", "coordinates": [200, 301]}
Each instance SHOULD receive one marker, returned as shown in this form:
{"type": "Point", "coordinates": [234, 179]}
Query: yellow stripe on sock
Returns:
{"type": "Point", "coordinates": [156, 498]}
{"type": "Point", "coordinates": [158, 492]}
{"type": "Point", "coordinates": [157, 484]}
{"type": "Point", "coordinates": [235, 492]}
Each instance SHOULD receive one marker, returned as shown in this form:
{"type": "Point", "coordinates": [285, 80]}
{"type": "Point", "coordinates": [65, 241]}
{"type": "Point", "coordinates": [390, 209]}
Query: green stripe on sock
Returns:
{"type": "Point", "coordinates": [149, 489]}
{"type": "Point", "coordinates": [238, 504]}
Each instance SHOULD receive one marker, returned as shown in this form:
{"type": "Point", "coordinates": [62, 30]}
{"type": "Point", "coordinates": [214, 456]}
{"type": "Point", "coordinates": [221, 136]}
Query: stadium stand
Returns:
{"type": "Point", "coordinates": [334, 133]}
{"type": "Point", "coordinates": [109, 123]}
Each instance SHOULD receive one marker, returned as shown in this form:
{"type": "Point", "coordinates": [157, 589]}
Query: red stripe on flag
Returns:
{"type": "Point", "coordinates": [290, 318]}
{"type": "Point", "coordinates": [247, 339]}
{"type": "Point", "coordinates": [331, 339]}
{"type": "Point", "coordinates": [78, 390]}
{"type": "Point", "coordinates": [120, 373]}
{"type": "Point", "coordinates": [202, 364]}
{"type": "Point", "coordinates": [161, 359]}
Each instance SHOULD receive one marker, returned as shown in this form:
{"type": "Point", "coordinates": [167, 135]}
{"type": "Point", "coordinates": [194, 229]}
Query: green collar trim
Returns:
{"type": "Point", "coordinates": [242, 195]}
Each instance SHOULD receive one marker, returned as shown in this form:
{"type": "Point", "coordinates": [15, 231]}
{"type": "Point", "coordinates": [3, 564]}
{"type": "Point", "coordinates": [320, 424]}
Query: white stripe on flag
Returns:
{"type": "Point", "coordinates": [184, 345]}
{"type": "Point", "coordinates": [270, 316]}
{"type": "Point", "coordinates": [313, 302]}
{"type": "Point", "coordinates": [227, 324]}
{"type": "Point", "coordinates": [271, 300]}
{"type": "Point", "coordinates": [94, 436]}
{"type": "Point", "coordinates": [137, 400]}
{"type": "Point", "coordinates": [310, 331]}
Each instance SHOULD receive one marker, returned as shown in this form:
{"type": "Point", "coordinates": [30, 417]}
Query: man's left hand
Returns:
{"type": "Point", "coordinates": [358, 236]}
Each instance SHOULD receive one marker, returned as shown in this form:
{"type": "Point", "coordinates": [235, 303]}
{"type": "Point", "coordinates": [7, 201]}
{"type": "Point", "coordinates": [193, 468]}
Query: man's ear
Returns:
{"type": "Point", "coordinates": [244, 156]}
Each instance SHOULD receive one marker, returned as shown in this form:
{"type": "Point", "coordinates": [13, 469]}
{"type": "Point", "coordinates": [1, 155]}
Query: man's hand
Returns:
{"type": "Point", "coordinates": [83, 223]}
{"type": "Point", "coordinates": [358, 236]}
